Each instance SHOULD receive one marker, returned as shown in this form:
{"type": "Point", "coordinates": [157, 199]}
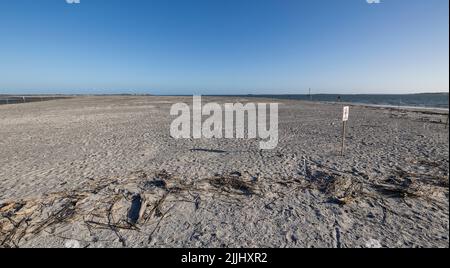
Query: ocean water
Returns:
{"type": "Point", "coordinates": [435, 100]}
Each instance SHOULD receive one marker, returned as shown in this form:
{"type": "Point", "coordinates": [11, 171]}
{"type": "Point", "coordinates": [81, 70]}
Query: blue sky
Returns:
{"type": "Point", "coordinates": [224, 46]}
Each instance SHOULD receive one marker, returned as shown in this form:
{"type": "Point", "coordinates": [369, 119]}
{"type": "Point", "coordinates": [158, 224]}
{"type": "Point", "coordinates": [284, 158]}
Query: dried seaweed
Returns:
{"type": "Point", "coordinates": [432, 179]}
{"type": "Point", "coordinates": [112, 204]}
{"type": "Point", "coordinates": [232, 183]}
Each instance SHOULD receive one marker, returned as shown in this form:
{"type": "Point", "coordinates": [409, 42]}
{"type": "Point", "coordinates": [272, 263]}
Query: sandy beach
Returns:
{"type": "Point", "coordinates": [105, 172]}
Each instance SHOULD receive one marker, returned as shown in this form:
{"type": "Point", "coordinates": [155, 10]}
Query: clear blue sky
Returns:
{"type": "Point", "coordinates": [224, 46]}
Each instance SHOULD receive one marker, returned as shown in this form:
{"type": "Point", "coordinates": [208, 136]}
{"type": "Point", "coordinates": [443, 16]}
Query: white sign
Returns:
{"type": "Point", "coordinates": [346, 112]}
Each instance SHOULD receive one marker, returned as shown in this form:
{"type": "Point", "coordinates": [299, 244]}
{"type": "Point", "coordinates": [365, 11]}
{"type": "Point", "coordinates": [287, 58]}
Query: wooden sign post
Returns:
{"type": "Point", "coordinates": [344, 126]}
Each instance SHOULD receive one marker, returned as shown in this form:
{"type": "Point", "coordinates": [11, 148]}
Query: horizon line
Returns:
{"type": "Point", "coordinates": [249, 94]}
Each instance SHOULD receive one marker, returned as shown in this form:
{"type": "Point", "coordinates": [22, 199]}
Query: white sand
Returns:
{"type": "Point", "coordinates": [70, 168]}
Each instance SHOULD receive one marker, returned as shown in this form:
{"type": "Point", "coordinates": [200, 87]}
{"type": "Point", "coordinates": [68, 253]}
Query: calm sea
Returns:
{"type": "Point", "coordinates": [436, 100]}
